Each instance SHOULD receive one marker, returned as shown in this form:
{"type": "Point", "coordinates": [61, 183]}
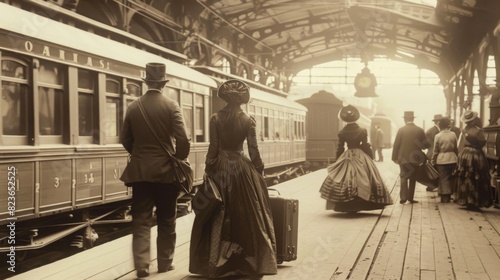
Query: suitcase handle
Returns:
{"type": "Point", "coordinates": [273, 189]}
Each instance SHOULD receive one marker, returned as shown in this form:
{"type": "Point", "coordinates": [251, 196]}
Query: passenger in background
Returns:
{"type": "Point", "coordinates": [240, 240]}
{"type": "Point", "coordinates": [407, 152]}
{"type": "Point", "coordinates": [379, 142]}
{"type": "Point", "coordinates": [430, 134]}
{"type": "Point", "coordinates": [473, 177]}
{"type": "Point", "coordinates": [353, 182]}
{"type": "Point", "coordinates": [444, 158]}
{"type": "Point", "coordinates": [150, 171]}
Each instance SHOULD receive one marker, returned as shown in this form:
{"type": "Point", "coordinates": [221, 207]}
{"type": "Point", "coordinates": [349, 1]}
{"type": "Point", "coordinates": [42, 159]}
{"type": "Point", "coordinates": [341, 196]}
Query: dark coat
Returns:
{"type": "Point", "coordinates": [355, 137]}
{"type": "Point", "coordinates": [408, 145]}
{"type": "Point", "coordinates": [474, 136]}
{"type": "Point", "coordinates": [431, 134]}
{"type": "Point", "coordinates": [224, 136]}
{"type": "Point", "coordinates": [149, 162]}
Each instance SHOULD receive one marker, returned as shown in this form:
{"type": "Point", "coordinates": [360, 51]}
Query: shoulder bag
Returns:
{"type": "Point", "coordinates": [182, 168]}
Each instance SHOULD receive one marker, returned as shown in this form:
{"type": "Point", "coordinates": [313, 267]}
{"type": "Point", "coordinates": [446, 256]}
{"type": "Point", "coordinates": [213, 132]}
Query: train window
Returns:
{"type": "Point", "coordinates": [272, 131]}
{"type": "Point", "coordinates": [112, 86]}
{"type": "Point", "coordinates": [287, 129]}
{"type": "Point", "coordinates": [14, 107]}
{"type": "Point", "coordinates": [85, 80]}
{"type": "Point", "coordinates": [265, 128]}
{"type": "Point", "coordinates": [172, 93]}
{"type": "Point", "coordinates": [281, 127]}
{"type": "Point", "coordinates": [112, 119]}
{"type": "Point", "coordinates": [259, 123]}
{"type": "Point", "coordinates": [199, 118]}
{"type": "Point", "coordinates": [133, 92]}
{"type": "Point", "coordinates": [51, 101]}
{"type": "Point", "coordinates": [86, 103]}
{"type": "Point", "coordinates": [112, 126]}
{"type": "Point", "coordinates": [296, 130]}
{"type": "Point", "coordinates": [187, 111]}
{"type": "Point", "coordinates": [134, 89]}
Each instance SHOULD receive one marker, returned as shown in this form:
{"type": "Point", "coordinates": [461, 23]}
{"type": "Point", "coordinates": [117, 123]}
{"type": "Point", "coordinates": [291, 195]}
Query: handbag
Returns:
{"type": "Point", "coordinates": [206, 200]}
{"type": "Point", "coordinates": [431, 172]}
{"type": "Point", "coordinates": [183, 172]}
{"type": "Point", "coordinates": [427, 175]}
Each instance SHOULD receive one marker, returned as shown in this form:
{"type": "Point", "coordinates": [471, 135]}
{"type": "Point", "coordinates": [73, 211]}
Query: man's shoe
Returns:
{"type": "Point", "coordinates": [162, 269]}
{"type": "Point", "coordinates": [402, 201]}
{"type": "Point", "coordinates": [413, 201]}
{"type": "Point", "coordinates": [142, 273]}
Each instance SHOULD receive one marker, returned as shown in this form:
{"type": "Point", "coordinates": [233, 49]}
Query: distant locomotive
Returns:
{"type": "Point", "coordinates": [323, 126]}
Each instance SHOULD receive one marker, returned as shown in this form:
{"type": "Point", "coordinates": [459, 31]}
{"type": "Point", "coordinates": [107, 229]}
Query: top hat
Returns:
{"type": "Point", "coordinates": [468, 116]}
{"type": "Point", "coordinates": [349, 113]}
{"type": "Point", "coordinates": [408, 115]}
{"type": "Point", "coordinates": [234, 91]}
{"type": "Point", "coordinates": [437, 118]}
{"type": "Point", "coordinates": [155, 72]}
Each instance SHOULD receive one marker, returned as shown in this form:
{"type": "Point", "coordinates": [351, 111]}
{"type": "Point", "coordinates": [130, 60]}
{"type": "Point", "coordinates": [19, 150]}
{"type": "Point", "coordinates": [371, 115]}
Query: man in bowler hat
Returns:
{"type": "Point", "coordinates": [431, 134]}
{"type": "Point", "coordinates": [150, 171]}
{"type": "Point", "coordinates": [407, 152]}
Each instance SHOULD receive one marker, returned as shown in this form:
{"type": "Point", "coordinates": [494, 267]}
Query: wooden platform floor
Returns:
{"type": "Point", "coordinates": [428, 240]}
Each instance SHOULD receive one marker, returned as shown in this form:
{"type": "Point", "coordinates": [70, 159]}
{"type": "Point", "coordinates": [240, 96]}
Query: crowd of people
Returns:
{"type": "Point", "coordinates": [228, 245]}
{"type": "Point", "coordinates": [353, 182]}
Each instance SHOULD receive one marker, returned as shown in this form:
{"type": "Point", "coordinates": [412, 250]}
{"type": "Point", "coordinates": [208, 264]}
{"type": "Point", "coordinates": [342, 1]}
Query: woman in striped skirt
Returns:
{"type": "Point", "coordinates": [353, 183]}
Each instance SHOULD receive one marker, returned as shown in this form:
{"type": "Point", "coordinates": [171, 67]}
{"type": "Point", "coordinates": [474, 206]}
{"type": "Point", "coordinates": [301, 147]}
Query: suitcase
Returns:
{"type": "Point", "coordinates": [285, 213]}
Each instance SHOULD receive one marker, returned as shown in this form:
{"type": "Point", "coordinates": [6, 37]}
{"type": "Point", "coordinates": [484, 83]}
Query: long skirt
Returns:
{"type": "Point", "coordinates": [473, 187]}
{"type": "Point", "coordinates": [239, 239]}
{"type": "Point", "coordinates": [354, 184]}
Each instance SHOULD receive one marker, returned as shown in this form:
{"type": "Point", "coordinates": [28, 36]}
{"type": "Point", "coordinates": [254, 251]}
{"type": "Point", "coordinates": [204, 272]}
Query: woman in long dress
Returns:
{"type": "Point", "coordinates": [239, 240]}
{"type": "Point", "coordinates": [473, 178]}
{"type": "Point", "coordinates": [353, 182]}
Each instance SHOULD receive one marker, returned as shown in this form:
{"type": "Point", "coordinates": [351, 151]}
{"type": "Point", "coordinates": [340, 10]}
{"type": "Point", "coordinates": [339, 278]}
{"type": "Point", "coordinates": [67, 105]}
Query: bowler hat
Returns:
{"type": "Point", "coordinates": [234, 91]}
{"type": "Point", "coordinates": [437, 118]}
{"type": "Point", "coordinates": [349, 113]}
{"type": "Point", "coordinates": [468, 116]}
{"type": "Point", "coordinates": [155, 72]}
{"type": "Point", "coordinates": [408, 115]}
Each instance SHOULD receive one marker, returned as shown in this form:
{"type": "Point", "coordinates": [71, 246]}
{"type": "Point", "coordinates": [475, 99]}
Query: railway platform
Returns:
{"type": "Point", "coordinates": [427, 240]}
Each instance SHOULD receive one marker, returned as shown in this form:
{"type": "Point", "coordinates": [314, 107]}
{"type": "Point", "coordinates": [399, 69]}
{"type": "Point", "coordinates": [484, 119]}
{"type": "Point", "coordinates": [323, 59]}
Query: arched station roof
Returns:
{"type": "Point", "coordinates": [298, 34]}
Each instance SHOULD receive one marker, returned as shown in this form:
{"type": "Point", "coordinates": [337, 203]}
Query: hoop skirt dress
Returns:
{"type": "Point", "coordinates": [473, 178]}
{"type": "Point", "coordinates": [239, 240]}
{"type": "Point", "coordinates": [353, 182]}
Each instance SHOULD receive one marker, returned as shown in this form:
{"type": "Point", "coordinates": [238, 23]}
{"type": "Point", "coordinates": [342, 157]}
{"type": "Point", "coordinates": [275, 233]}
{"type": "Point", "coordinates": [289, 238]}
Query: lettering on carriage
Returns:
{"type": "Point", "coordinates": [65, 55]}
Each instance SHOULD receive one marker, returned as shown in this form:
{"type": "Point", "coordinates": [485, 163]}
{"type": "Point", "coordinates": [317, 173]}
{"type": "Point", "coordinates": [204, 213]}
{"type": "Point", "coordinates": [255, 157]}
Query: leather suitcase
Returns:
{"type": "Point", "coordinates": [286, 226]}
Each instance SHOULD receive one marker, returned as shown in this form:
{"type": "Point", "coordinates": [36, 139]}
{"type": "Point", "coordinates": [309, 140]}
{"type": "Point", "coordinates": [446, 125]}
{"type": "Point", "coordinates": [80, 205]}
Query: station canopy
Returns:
{"type": "Point", "coordinates": [438, 35]}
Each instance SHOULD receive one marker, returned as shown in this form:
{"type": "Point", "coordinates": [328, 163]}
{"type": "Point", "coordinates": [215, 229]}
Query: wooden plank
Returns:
{"type": "Point", "coordinates": [356, 248]}
{"type": "Point", "coordinates": [367, 257]}
{"type": "Point", "coordinates": [454, 243]}
{"type": "Point", "coordinates": [442, 257]}
{"type": "Point", "coordinates": [397, 255]}
{"type": "Point", "coordinates": [411, 267]}
{"type": "Point", "coordinates": [427, 261]}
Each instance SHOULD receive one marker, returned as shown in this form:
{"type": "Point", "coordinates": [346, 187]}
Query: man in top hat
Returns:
{"type": "Point", "coordinates": [430, 134]}
{"type": "Point", "coordinates": [407, 152]}
{"type": "Point", "coordinates": [150, 171]}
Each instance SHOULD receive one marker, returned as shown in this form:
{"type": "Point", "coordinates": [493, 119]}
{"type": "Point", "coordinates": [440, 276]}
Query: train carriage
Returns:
{"type": "Point", "coordinates": [323, 126]}
{"type": "Point", "coordinates": [387, 125]}
{"type": "Point", "coordinates": [281, 128]}
{"type": "Point", "coordinates": [64, 95]}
